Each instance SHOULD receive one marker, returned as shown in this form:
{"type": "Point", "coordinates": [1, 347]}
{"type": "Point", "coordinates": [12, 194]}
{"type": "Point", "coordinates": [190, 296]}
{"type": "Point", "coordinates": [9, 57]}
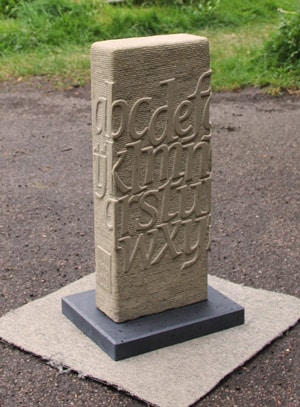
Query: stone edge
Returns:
{"type": "Point", "coordinates": [131, 338]}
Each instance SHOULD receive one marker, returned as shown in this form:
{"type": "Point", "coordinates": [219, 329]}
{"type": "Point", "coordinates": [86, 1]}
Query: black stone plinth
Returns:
{"type": "Point", "coordinates": [141, 335]}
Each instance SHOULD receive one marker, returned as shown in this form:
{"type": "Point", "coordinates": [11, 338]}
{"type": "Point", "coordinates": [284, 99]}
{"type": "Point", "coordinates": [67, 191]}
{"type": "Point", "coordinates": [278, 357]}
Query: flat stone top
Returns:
{"type": "Point", "coordinates": [152, 41]}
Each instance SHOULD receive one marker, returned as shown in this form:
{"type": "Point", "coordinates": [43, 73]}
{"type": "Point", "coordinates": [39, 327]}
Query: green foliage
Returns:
{"type": "Point", "coordinates": [283, 49]}
{"type": "Point", "coordinates": [173, 3]}
{"type": "Point", "coordinates": [8, 7]}
{"type": "Point", "coordinates": [53, 37]}
{"type": "Point", "coordinates": [43, 23]}
{"type": "Point", "coordinates": [277, 62]}
{"type": "Point", "coordinates": [152, 21]}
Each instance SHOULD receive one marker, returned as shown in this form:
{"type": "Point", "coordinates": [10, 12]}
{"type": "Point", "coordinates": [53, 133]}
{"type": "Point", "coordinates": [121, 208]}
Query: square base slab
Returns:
{"type": "Point", "coordinates": [123, 340]}
{"type": "Point", "coordinates": [175, 376]}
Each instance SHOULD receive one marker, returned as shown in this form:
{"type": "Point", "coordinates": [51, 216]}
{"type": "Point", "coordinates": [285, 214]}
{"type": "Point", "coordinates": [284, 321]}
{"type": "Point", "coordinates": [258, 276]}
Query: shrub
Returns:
{"type": "Point", "coordinates": [8, 7]}
{"type": "Point", "coordinates": [283, 49]}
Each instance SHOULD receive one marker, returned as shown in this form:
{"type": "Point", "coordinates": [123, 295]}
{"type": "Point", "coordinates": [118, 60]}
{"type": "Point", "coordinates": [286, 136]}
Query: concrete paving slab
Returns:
{"type": "Point", "coordinates": [176, 376]}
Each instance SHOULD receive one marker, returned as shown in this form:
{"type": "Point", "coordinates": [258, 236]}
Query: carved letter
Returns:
{"type": "Point", "coordinates": [149, 209]}
{"type": "Point", "coordinates": [199, 244]}
{"type": "Point", "coordinates": [123, 106]}
{"type": "Point", "coordinates": [168, 109]}
{"type": "Point", "coordinates": [189, 161]}
{"type": "Point", "coordinates": [162, 161]}
{"type": "Point", "coordinates": [119, 183]}
{"type": "Point", "coordinates": [137, 151]}
{"type": "Point", "coordinates": [197, 96]}
{"type": "Point", "coordinates": [169, 236]}
{"type": "Point", "coordinates": [182, 113]}
{"type": "Point", "coordinates": [100, 115]}
{"type": "Point", "coordinates": [183, 192]}
{"type": "Point", "coordinates": [110, 213]}
{"type": "Point", "coordinates": [100, 168]}
{"type": "Point", "coordinates": [139, 247]}
{"type": "Point", "coordinates": [165, 205]}
{"type": "Point", "coordinates": [204, 158]}
{"type": "Point", "coordinates": [132, 118]}
{"type": "Point", "coordinates": [125, 206]}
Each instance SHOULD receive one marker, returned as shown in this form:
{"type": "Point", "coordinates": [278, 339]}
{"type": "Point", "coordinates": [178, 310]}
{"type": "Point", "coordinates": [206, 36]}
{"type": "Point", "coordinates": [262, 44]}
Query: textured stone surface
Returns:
{"type": "Point", "coordinates": [152, 173]}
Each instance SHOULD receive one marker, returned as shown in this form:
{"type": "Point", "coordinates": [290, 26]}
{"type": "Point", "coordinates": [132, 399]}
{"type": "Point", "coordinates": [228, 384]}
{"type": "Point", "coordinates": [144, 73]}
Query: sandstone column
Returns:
{"type": "Point", "coordinates": [152, 173]}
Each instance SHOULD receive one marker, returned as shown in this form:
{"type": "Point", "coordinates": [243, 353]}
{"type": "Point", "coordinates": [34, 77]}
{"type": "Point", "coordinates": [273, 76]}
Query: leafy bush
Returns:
{"type": "Point", "coordinates": [283, 49]}
{"type": "Point", "coordinates": [8, 7]}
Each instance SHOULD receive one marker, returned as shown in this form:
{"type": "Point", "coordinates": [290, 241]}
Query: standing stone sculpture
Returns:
{"type": "Point", "coordinates": [152, 192]}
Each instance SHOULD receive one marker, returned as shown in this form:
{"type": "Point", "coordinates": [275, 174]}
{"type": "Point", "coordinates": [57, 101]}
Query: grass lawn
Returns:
{"type": "Point", "coordinates": [53, 38]}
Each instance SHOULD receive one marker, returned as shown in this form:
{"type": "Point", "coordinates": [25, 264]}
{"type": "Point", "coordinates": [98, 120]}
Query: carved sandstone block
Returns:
{"type": "Point", "coordinates": [152, 173]}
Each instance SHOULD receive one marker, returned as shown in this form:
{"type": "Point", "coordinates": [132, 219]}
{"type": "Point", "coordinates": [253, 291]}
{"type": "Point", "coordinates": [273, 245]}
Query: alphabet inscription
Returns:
{"type": "Point", "coordinates": [158, 182]}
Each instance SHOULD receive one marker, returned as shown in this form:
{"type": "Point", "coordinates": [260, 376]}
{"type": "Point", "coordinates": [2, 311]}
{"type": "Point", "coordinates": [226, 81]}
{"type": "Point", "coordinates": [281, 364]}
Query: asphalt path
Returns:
{"type": "Point", "coordinates": [46, 230]}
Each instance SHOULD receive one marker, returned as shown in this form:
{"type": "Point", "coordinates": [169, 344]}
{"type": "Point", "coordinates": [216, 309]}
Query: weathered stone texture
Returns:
{"type": "Point", "coordinates": [152, 173]}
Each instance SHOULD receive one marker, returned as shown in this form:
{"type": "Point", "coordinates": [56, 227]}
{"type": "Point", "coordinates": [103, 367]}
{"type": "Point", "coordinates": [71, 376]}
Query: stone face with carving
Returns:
{"type": "Point", "coordinates": [152, 173]}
